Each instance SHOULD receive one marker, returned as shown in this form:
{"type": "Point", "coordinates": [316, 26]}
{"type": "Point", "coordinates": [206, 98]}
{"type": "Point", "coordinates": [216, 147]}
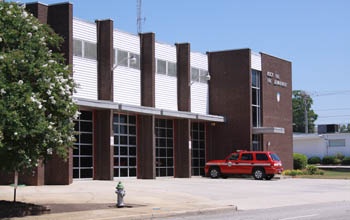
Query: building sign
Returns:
{"type": "Point", "coordinates": [274, 78]}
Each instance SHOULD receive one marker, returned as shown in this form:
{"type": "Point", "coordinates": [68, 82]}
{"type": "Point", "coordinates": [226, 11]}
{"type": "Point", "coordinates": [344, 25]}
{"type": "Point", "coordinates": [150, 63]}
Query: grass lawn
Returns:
{"type": "Point", "coordinates": [330, 174]}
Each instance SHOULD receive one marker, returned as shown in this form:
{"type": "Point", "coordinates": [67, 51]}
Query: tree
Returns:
{"type": "Point", "coordinates": [345, 128]}
{"type": "Point", "coordinates": [36, 87]}
{"type": "Point", "coordinates": [303, 116]}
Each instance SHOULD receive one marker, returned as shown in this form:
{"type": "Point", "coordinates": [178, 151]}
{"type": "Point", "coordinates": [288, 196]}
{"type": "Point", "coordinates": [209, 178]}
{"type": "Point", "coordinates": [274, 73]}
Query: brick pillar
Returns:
{"type": "Point", "coordinates": [182, 149]}
{"type": "Point", "coordinates": [146, 168]}
{"type": "Point", "coordinates": [39, 11]}
{"type": "Point", "coordinates": [60, 19]}
{"type": "Point", "coordinates": [146, 138]}
{"type": "Point", "coordinates": [147, 43]}
{"type": "Point", "coordinates": [183, 126]}
{"type": "Point", "coordinates": [103, 148]}
{"type": "Point", "coordinates": [183, 57]}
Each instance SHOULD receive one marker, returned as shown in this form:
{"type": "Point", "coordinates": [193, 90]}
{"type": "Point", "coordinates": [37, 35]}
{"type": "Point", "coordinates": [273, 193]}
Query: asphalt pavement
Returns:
{"type": "Point", "coordinates": [166, 196]}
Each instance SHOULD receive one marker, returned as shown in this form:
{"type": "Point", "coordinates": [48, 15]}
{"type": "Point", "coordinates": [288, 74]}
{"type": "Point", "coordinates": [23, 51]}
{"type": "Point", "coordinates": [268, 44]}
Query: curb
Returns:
{"type": "Point", "coordinates": [175, 213]}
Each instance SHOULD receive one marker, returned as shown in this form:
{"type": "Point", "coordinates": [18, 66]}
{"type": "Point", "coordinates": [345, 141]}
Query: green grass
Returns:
{"type": "Point", "coordinates": [329, 174]}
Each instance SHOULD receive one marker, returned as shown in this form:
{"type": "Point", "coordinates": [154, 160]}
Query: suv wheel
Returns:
{"type": "Point", "coordinates": [269, 177]}
{"type": "Point", "coordinates": [258, 173]}
{"type": "Point", "coordinates": [214, 172]}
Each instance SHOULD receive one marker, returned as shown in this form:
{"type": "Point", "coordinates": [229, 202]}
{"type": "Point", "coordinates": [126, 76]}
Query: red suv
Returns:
{"type": "Point", "coordinates": [260, 164]}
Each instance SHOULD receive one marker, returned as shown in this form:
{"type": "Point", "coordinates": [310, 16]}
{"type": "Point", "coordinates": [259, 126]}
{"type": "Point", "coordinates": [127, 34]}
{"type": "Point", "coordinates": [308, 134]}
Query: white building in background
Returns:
{"type": "Point", "coordinates": [321, 145]}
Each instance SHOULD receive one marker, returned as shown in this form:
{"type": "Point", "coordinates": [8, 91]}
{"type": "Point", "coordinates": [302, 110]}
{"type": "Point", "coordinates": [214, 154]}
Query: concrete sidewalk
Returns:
{"type": "Point", "coordinates": [146, 199]}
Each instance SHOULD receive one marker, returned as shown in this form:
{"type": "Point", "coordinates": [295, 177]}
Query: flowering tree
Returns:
{"type": "Point", "coordinates": [36, 106]}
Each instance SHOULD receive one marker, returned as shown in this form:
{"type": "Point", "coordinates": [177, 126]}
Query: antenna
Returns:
{"type": "Point", "coordinates": [139, 14]}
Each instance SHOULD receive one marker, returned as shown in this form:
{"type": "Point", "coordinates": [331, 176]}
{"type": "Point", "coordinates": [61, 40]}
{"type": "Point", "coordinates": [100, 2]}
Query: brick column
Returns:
{"type": "Point", "coordinates": [146, 148]}
{"type": "Point", "coordinates": [146, 138]}
{"type": "Point", "coordinates": [183, 76]}
{"type": "Point", "coordinates": [182, 149]}
{"type": "Point", "coordinates": [103, 148]}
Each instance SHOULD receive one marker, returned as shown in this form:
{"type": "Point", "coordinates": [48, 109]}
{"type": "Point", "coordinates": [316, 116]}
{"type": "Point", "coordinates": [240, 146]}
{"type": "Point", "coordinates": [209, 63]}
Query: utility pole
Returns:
{"type": "Point", "coordinates": [304, 95]}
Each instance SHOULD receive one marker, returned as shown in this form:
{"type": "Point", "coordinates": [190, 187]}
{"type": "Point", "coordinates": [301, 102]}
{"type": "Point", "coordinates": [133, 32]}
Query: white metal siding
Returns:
{"type": "Point", "coordinates": [85, 70]}
{"type": "Point", "coordinates": [127, 86]}
{"type": "Point", "coordinates": [199, 91]}
{"type": "Point", "coordinates": [166, 86]}
{"type": "Point", "coordinates": [165, 52]}
{"type": "Point", "coordinates": [126, 41]}
{"type": "Point", "coordinates": [255, 61]}
{"type": "Point", "coordinates": [85, 75]}
{"type": "Point", "coordinates": [166, 92]}
{"type": "Point", "coordinates": [84, 30]}
{"type": "Point", "coordinates": [127, 81]}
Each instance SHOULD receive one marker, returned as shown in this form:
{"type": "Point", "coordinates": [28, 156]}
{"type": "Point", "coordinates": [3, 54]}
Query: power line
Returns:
{"type": "Point", "coordinates": [332, 109]}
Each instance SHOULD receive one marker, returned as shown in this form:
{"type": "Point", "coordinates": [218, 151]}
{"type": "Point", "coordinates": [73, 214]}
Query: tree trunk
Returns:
{"type": "Point", "coordinates": [15, 186]}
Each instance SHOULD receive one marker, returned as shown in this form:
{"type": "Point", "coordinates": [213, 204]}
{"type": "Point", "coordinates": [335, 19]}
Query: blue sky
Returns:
{"type": "Point", "coordinates": [314, 35]}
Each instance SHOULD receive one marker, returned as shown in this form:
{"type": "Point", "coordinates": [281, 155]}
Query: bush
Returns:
{"type": "Point", "coordinates": [292, 172]}
{"type": "Point", "coordinates": [314, 160]}
{"type": "Point", "coordinates": [313, 170]}
{"type": "Point", "coordinates": [328, 160]}
{"type": "Point", "coordinates": [340, 156]}
{"type": "Point", "coordinates": [346, 161]}
{"type": "Point", "coordinates": [299, 161]}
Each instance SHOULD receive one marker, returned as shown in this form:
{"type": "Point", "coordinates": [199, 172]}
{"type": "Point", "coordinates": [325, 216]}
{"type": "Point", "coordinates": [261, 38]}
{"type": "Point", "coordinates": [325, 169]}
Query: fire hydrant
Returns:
{"type": "Point", "coordinates": [121, 193]}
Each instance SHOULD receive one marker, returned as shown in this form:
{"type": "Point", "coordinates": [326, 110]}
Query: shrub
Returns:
{"type": "Point", "coordinates": [299, 161]}
{"type": "Point", "coordinates": [311, 170]}
{"type": "Point", "coordinates": [339, 156]}
{"type": "Point", "coordinates": [314, 160]}
{"type": "Point", "coordinates": [328, 160]}
{"type": "Point", "coordinates": [346, 161]}
{"type": "Point", "coordinates": [292, 172]}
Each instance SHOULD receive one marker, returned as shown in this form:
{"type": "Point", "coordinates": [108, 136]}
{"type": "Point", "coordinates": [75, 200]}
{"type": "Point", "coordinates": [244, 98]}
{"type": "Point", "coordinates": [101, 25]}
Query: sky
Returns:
{"type": "Point", "coordinates": [312, 34]}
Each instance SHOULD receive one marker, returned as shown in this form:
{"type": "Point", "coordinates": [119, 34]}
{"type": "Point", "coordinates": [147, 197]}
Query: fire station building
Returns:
{"type": "Point", "coordinates": [150, 109]}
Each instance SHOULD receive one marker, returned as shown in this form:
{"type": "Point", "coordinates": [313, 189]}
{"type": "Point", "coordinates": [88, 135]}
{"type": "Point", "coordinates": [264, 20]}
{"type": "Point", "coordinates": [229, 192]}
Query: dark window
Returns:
{"type": "Point", "coordinates": [274, 157]}
{"type": "Point", "coordinates": [247, 156]}
{"type": "Point", "coordinates": [261, 157]}
{"type": "Point", "coordinates": [234, 156]}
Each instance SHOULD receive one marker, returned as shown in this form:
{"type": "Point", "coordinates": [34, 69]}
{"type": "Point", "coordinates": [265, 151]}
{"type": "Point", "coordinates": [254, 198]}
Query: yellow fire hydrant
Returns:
{"type": "Point", "coordinates": [121, 193]}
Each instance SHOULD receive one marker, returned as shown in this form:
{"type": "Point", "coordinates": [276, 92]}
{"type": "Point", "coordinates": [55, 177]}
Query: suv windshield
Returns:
{"type": "Point", "coordinates": [275, 157]}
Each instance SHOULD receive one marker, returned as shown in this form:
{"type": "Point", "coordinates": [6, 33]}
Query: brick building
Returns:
{"type": "Point", "coordinates": [151, 109]}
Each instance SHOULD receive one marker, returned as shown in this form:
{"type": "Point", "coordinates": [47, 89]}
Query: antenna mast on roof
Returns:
{"type": "Point", "coordinates": [139, 14]}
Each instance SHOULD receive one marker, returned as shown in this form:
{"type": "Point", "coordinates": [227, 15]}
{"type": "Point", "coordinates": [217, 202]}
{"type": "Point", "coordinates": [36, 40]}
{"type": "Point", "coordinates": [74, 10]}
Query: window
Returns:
{"type": "Point", "coordinates": [77, 48]}
{"type": "Point", "coordinates": [194, 74]}
{"type": "Point", "coordinates": [203, 76]}
{"type": "Point", "coordinates": [261, 156]}
{"type": "Point", "coordinates": [234, 156]}
{"type": "Point", "coordinates": [122, 58]}
{"type": "Point", "coordinates": [257, 145]}
{"type": "Point", "coordinates": [124, 129]}
{"type": "Point", "coordinates": [90, 50]}
{"type": "Point", "coordinates": [135, 65]}
{"type": "Point", "coordinates": [198, 148]}
{"type": "Point", "coordinates": [84, 49]}
{"type": "Point", "coordinates": [172, 69]}
{"type": "Point", "coordinates": [256, 98]}
{"type": "Point", "coordinates": [164, 147]}
{"type": "Point", "coordinates": [247, 157]}
{"type": "Point", "coordinates": [198, 75]}
{"type": "Point", "coordinates": [336, 143]}
{"type": "Point", "coordinates": [161, 66]}
{"type": "Point", "coordinates": [166, 68]}
{"type": "Point", "coordinates": [82, 152]}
